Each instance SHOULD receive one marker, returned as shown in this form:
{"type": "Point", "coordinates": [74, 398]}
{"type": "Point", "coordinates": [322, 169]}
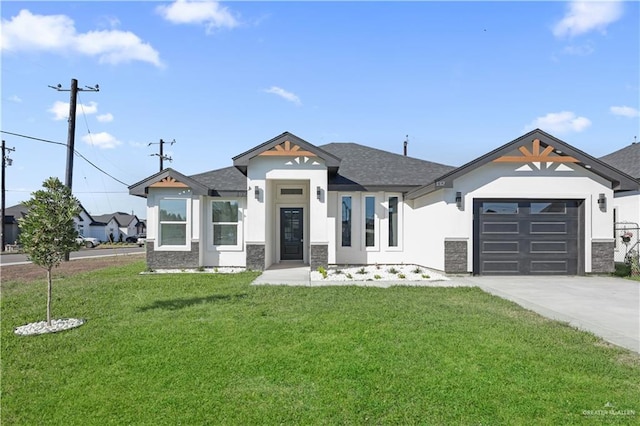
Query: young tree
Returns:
{"type": "Point", "coordinates": [47, 231]}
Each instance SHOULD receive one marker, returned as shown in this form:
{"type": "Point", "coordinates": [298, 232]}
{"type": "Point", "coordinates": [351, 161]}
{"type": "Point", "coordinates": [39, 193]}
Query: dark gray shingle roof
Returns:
{"type": "Point", "coordinates": [223, 180]}
{"type": "Point", "coordinates": [371, 168]}
{"type": "Point", "coordinates": [626, 160]}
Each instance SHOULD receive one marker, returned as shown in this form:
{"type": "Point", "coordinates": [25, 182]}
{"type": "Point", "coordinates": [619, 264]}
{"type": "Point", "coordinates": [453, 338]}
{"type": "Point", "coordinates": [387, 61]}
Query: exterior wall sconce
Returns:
{"type": "Point", "coordinates": [459, 199]}
{"type": "Point", "coordinates": [602, 202]}
{"type": "Point", "coordinates": [256, 191]}
{"type": "Point", "coordinates": [319, 193]}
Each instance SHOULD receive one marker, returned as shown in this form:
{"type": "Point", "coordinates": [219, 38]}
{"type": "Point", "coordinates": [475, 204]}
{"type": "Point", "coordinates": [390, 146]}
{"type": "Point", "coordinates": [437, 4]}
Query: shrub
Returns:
{"type": "Point", "coordinates": [426, 276]}
{"type": "Point", "coordinates": [417, 270]}
{"type": "Point", "coordinates": [392, 270]}
{"type": "Point", "coordinates": [401, 276]}
{"type": "Point", "coordinates": [322, 271]}
{"type": "Point", "coordinates": [361, 271]}
{"type": "Point", "coordinates": [349, 276]}
{"type": "Point", "coordinates": [377, 277]}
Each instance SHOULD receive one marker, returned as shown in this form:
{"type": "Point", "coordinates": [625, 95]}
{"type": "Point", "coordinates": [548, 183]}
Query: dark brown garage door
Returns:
{"type": "Point", "coordinates": [527, 237]}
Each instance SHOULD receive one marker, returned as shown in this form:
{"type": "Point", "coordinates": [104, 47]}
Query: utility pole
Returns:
{"type": "Point", "coordinates": [6, 161]}
{"type": "Point", "coordinates": [161, 154]}
{"type": "Point", "coordinates": [72, 124]}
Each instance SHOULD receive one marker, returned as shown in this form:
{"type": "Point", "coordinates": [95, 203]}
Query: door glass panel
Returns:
{"type": "Point", "coordinates": [557, 207]}
{"type": "Point", "coordinates": [499, 208]}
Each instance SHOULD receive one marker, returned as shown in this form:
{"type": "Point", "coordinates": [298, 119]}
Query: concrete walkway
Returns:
{"type": "Point", "coordinates": [285, 273]}
{"type": "Point", "coordinates": [606, 306]}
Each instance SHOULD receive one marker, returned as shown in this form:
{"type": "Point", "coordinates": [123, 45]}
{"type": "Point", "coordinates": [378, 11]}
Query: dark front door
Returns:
{"type": "Point", "coordinates": [291, 233]}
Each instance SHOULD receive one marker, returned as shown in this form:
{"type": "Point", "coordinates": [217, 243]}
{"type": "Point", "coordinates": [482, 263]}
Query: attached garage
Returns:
{"type": "Point", "coordinates": [528, 237]}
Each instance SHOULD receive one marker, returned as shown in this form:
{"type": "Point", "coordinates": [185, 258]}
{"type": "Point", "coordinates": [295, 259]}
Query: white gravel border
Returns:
{"type": "Point", "coordinates": [41, 327]}
{"type": "Point", "coordinates": [411, 274]}
{"type": "Point", "coordinates": [218, 270]}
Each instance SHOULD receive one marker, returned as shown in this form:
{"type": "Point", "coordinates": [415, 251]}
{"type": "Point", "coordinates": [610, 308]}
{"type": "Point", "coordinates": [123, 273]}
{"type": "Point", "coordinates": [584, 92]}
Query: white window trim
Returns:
{"type": "Point", "coordinates": [239, 246]}
{"type": "Point", "coordinates": [187, 223]}
{"type": "Point", "coordinates": [400, 215]}
{"type": "Point", "coordinates": [376, 223]}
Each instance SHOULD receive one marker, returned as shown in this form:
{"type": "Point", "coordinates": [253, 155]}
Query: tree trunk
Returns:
{"type": "Point", "coordinates": [49, 297]}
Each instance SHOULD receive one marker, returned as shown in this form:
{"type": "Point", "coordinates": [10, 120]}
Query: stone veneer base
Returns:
{"type": "Point", "coordinates": [172, 259]}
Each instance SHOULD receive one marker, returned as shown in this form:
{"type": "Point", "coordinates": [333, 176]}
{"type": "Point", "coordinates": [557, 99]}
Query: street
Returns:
{"type": "Point", "coordinates": [16, 259]}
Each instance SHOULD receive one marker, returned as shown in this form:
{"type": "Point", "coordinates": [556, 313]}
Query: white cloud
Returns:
{"type": "Point", "coordinates": [102, 140]}
{"type": "Point", "coordinates": [560, 122]}
{"type": "Point", "coordinates": [624, 111]}
{"type": "Point", "coordinates": [60, 109]}
{"type": "Point", "coordinates": [15, 98]}
{"type": "Point", "coordinates": [291, 97]}
{"type": "Point", "coordinates": [105, 118]}
{"type": "Point", "coordinates": [585, 16]}
{"type": "Point", "coordinates": [208, 13]}
{"type": "Point", "coordinates": [57, 33]}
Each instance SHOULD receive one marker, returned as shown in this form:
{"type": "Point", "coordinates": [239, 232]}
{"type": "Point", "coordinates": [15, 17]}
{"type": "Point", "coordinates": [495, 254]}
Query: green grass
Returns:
{"type": "Point", "coordinates": [204, 349]}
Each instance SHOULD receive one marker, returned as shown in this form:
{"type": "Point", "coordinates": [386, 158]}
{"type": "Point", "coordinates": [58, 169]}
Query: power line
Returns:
{"type": "Point", "coordinates": [74, 151]}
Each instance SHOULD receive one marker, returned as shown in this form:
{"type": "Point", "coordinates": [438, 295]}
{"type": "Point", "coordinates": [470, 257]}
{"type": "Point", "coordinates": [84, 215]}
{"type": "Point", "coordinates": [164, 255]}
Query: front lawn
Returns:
{"type": "Point", "coordinates": [211, 349]}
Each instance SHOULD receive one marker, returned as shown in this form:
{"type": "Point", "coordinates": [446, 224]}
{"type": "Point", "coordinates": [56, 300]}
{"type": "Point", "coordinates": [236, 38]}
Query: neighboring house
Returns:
{"type": "Point", "coordinates": [83, 223]}
{"type": "Point", "coordinates": [626, 204]}
{"type": "Point", "coordinates": [535, 205]}
{"type": "Point", "coordinates": [11, 216]}
{"type": "Point", "coordinates": [119, 225]}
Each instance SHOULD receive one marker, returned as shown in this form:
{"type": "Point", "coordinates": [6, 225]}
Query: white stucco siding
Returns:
{"type": "Point", "coordinates": [357, 253]}
{"type": "Point", "coordinates": [627, 205]}
{"type": "Point", "coordinates": [504, 180]}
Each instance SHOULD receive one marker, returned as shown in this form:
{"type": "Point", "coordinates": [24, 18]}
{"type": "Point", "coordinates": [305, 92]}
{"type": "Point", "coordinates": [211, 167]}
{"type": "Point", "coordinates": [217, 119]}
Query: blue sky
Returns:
{"type": "Point", "coordinates": [459, 78]}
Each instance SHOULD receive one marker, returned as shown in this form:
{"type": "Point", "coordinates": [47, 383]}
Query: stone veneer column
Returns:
{"type": "Point", "coordinates": [172, 259]}
{"type": "Point", "coordinates": [455, 255]}
{"type": "Point", "coordinates": [602, 260]}
{"type": "Point", "coordinates": [318, 256]}
{"type": "Point", "coordinates": [255, 257]}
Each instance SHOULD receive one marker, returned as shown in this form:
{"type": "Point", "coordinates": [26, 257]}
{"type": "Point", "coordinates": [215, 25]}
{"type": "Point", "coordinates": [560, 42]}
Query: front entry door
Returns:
{"type": "Point", "coordinates": [291, 233]}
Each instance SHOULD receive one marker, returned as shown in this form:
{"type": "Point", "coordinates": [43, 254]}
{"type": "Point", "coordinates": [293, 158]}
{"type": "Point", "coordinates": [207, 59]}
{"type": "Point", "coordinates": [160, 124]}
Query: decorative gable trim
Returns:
{"type": "Point", "coordinates": [285, 149]}
{"type": "Point", "coordinates": [168, 182]}
{"type": "Point", "coordinates": [168, 178]}
{"type": "Point", "coordinates": [535, 156]}
{"type": "Point", "coordinates": [286, 145]}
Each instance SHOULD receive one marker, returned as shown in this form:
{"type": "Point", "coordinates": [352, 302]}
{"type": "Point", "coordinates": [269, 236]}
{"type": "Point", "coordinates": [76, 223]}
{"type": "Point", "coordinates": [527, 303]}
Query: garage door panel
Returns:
{"type": "Point", "coordinates": [548, 247]}
{"type": "Point", "coordinates": [501, 247]}
{"type": "Point", "coordinates": [500, 228]}
{"type": "Point", "coordinates": [526, 236]}
{"type": "Point", "coordinates": [548, 228]}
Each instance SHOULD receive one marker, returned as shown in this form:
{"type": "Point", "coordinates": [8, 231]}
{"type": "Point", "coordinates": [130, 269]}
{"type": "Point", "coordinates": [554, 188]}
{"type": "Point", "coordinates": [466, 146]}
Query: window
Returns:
{"type": "Point", "coordinates": [370, 221]}
{"type": "Point", "coordinates": [393, 221]}
{"type": "Point", "coordinates": [557, 207]}
{"type": "Point", "coordinates": [290, 191]}
{"type": "Point", "coordinates": [346, 221]}
{"type": "Point", "coordinates": [173, 222]}
{"type": "Point", "coordinates": [499, 208]}
{"type": "Point", "coordinates": [225, 223]}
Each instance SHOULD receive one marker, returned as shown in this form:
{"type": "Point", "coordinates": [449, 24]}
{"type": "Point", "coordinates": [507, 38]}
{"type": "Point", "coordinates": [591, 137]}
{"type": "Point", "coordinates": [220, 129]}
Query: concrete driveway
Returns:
{"type": "Point", "coordinates": [606, 306]}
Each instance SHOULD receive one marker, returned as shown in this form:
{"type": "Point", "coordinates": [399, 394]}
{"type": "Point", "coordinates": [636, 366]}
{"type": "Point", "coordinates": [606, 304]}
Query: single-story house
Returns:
{"type": "Point", "coordinates": [118, 226]}
{"type": "Point", "coordinates": [535, 205]}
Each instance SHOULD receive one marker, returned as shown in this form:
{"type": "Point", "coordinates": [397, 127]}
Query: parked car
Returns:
{"type": "Point", "coordinates": [142, 239]}
{"type": "Point", "coordinates": [134, 238]}
{"type": "Point", "coordinates": [88, 242]}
